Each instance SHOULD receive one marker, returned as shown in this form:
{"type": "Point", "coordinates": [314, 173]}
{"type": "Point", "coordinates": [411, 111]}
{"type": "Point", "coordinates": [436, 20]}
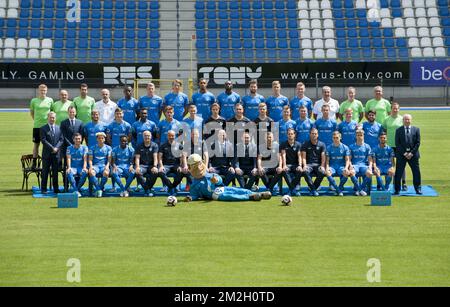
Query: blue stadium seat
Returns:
{"type": "Point", "coordinates": [95, 14]}
{"type": "Point", "coordinates": [340, 33]}
{"type": "Point", "coordinates": [443, 2]}
{"type": "Point", "coordinates": [142, 34]}
{"type": "Point", "coordinates": [374, 32]}
{"type": "Point", "coordinates": [374, 24]}
{"type": "Point", "coordinates": [391, 53]}
{"type": "Point", "coordinates": [154, 44]}
{"type": "Point", "coordinates": [389, 42]}
{"type": "Point", "coordinates": [246, 15]}
{"type": "Point", "coordinates": [60, 13]}
{"type": "Point", "coordinates": [24, 13]}
{"type": "Point", "coordinates": [246, 24]}
{"type": "Point", "coordinates": [350, 13]}
{"type": "Point", "coordinates": [342, 53]}
{"type": "Point", "coordinates": [36, 14]}
{"type": "Point", "coordinates": [247, 34]}
{"type": "Point", "coordinates": [107, 14]}
{"type": "Point", "coordinates": [338, 14]}
{"type": "Point", "coordinates": [355, 54]}
{"type": "Point", "coordinates": [362, 23]}
{"type": "Point", "coordinates": [248, 54]}
{"type": "Point", "coordinates": [211, 5]}
{"type": "Point", "coordinates": [212, 34]}
{"type": "Point", "coordinates": [348, 4]}
{"type": "Point", "coordinates": [58, 34]}
{"type": "Point", "coordinates": [58, 44]}
{"type": "Point", "coordinates": [142, 24]}
{"type": "Point", "coordinates": [284, 55]}
{"type": "Point", "coordinates": [23, 33]}
{"type": "Point", "coordinates": [257, 24]}
{"type": "Point", "coordinates": [353, 43]}
{"type": "Point", "coordinates": [131, 15]}
{"type": "Point", "coordinates": [212, 24]}
{"type": "Point", "coordinates": [142, 54]}
{"type": "Point", "coordinates": [82, 43]}
{"type": "Point", "coordinates": [84, 24]}
{"type": "Point", "coordinates": [235, 24]}
{"type": "Point", "coordinates": [257, 14]}
{"type": "Point", "coordinates": [94, 43]}
{"type": "Point", "coordinates": [270, 44]}
{"type": "Point", "coordinates": [339, 24]}
{"type": "Point", "coordinates": [257, 5]}
{"type": "Point", "coordinates": [212, 44]}
{"type": "Point", "coordinates": [403, 53]}
{"type": "Point", "coordinates": [352, 33]}
{"type": "Point", "coordinates": [351, 23]}
{"type": "Point", "coordinates": [336, 4]}
{"type": "Point", "coordinates": [222, 14]}
{"type": "Point", "coordinates": [95, 24]}
{"type": "Point", "coordinates": [154, 34]}
{"type": "Point", "coordinates": [201, 55]}
{"type": "Point", "coordinates": [154, 15]}
{"type": "Point", "coordinates": [282, 44]}
{"type": "Point", "coordinates": [280, 14]}
{"type": "Point", "coordinates": [119, 4]}
{"type": "Point", "coordinates": [37, 4]}
{"type": "Point", "coordinates": [23, 23]}
{"type": "Point", "coordinates": [154, 5]}
{"type": "Point", "coordinates": [395, 3]}
{"type": "Point", "coordinates": [281, 34]}
{"type": "Point", "coordinates": [95, 33]}
{"type": "Point", "coordinates": [279, 5]}
{"type": "Point", "coordinates": [35, 23]}
{"type": "Point", "coordinates": [224, 44]}
{"type": "Point", "coordinates": [270, 33]}
{"type": "Point", "coordinates": [367, 53]}
{"type": "Point", "coordinates": [445, 22]}
{"type": "Point", "coordinates": [57, 53]}
{"type": "Point", "coordinates": [107, 24]}
{"type": "Point", "coordinates": [199, 24]}
{"type": "Point", "coordinates": [268, 5]}
{"type": "Point", "coordinates": [341, 44]}
{"type": "Point", "coordinates": [224, 24]}
{"type": "Point", "coordinates": [199, 5]}
{"type": "Point", "coordinates": [225, 55]}
{"type": "Point", "coordinates": [142, 15]}
{"type": "Point", "coordinates": [379, 53]}
{"type": "Point", "coordinates": [118, 34]}
{"type": "Point", "coordinates": [291, 4]}
{"type": "Point", "coordinates": [259, 35]}
{"type": "Point", "coordinates": [269, 24]}
{"type": "Point", "coordinates": [70, 44]}
{"type": "Point", "coordinates": [223, 6]}
{"type": "Point", "coordinates": [293, 34]}
{"type": "Point", "coordinates": [82, 54]}
{"type": "Point", "coordinates": [234, 15]}
{"type": "Point", "coordinates": [48, 24]}
{"type": "Point", "coordinates": [397, 12]}
{"type": "Point", "coordinates": [131, 24]}
{"type": "Point", "coordinates": [295, 54]}
{"type": "Point", "coordinates": [377, 42]}
{"type": "Point", "coordinates": [223, 34]}
{"type": "Point", "coordinates": [213, 54]}
{"type": "Point", "coordinates": [268, 15]}
{"type": "Point", "coordinates": [236, 43]}
{"type": "Point", "coordinates": [106, 43]}
{"type": "Point", "coordinates": [247, 44]}
{"type": "Point", "coordinates": [131, 5]}
{"type": "Point", "coordinates": [446, 31]}
{"type": "Point", "coordinates": [447, 41]}
{"type": "Point", "coordinates": [365, 43]}
{"type": "Point", "coordinates": [360, 13]}
{"type": "Point", "coordinates": [281, 24]}
{"type": "Point", "coordinates": [154, 24]}
{"type": "Point", "coordinates": [211, 15]}
{"type": "Point", "coordinates": [106, 34]}
{"type": "Point", "coordinates": [245, 5]}
{"type": "Point", "coordinates": [25, 4]}
{"type": "Point", "coordinates": [272, 54]}
{"type": "Point", "coordinates": [387, 32]}
{"type": "Point", "coordinates": [400, 42]}
{"type": "Point", "coordinates": [259, 44]}
{"type": "Point", "coordinates": [142, 44]}
{"type": "Point", "coordinates": [292, 14]}
{"type": "Point", "coordinates": [363, 32]}
{"type": "Point", "coordinates": [384, 4]}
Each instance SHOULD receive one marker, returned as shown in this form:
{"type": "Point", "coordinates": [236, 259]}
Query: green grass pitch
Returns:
{"type": "Point", "coordinates": [139, 241]}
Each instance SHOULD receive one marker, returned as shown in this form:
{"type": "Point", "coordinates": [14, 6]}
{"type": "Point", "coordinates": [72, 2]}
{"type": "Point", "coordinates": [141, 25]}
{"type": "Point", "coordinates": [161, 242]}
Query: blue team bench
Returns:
{"type": "Point", "coordinates": [427, 191]}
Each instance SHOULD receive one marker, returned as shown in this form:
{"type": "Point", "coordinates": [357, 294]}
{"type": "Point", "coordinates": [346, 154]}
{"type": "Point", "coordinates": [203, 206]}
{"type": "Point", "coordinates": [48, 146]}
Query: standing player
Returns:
{"type": "Point", "coordinates": [192, 122]}
{"type": "Point", "coordinates": [240, 123]}
{"type": "Point", "coordinates": [300, 100]}
{"type": "Point", "coordinates": [106, 108]}
{"type": "Point", "coordinates": [372, 130]}
{"type": "Point", "coordinates": [326, 99]}
{"type": "Point", "coordinates": [383, 163]}
{"type": "Point", "coordinates": [303, 125]}
{"type": "Point", "coordinates": [277, 102]}
{"type": "Point", "coordinates": [251, 102]}
{"type": "Point", "coordinates": [285, 124]}
{"type": "Point", "coordinates": [77, 163]}
{"type": "Point", "coordinates": [39, 109]}
{"type": "Point", "coordinates": [61, 107]}
{"type": "Point", "coordinates": [99, 163]}
{"type": "Point", "coordinates": [362, 164]}
{"type": "Point", "coordinates": [118, 128]}
{"type": "Point", "coordinates": [129, 105]}
{"type": "Point", "coordinates": [84, 104]}
{"type": "Point", "coordinates": [177, 100]}
{"type": "Point", "coordinates": [291, 158]}
{"type": "Point", "coordinates": [326, 126]}
{"type": "Point", "coordinates": [263, 122]}
{"type": "Point", "coordinates": [146, 163]}
{"type": "Point", "coordinates": [348, 128]}
{"type": "Point", "coordinates": [381, 106]}
{"type": "Point", "coordinates": [91, 129]}
{"type": "Point", "coordinates": [227, 100]}
{"type": "Point", "coordinates": [351, 103]}
{"type": "Point", "coordinates": [214, 123]}
{"type": "Point", "coordinates": [122, 165]}
{"type": "Point", "coordinates": [313, 161]}
{"type": "Point", "coordinates": [203, 99]}
{"type": "Point", "coordinates": [141, 125]}
{"type": "Point", "coordinates": [152, 103]}
{"type": "Point", "coordinates": [168, 124]}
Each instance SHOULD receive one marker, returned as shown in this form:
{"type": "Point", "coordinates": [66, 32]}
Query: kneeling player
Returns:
{"type": "Point", "coordinates": [122, 165]}
{"type": "Point", "coordinates": [209, 186]}
{"type": "Point", "coordinates": [76, 163]}
{"type": "Point", "coordinates": [99, 163]}
{"type": "Point", "coordinates": [384, 164]}
{"type": "Point", "coordinates": [362, 164]}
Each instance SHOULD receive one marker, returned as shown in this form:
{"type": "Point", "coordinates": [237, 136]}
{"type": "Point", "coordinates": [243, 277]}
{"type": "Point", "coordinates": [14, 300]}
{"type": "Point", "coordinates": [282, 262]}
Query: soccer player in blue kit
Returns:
{"type": "Point", "coordinates": [152, 103]}
{"type": "Point", "coordinates": [203, 99]}
{"type": "Point", "coordinates": [325, 126]}
{"type": "Point", "coordinates": [285, 124]}
{"type": "Point", "coordinates": [77, 163]}
{"type": "Point", "coordinates": [122, 165]}
{"type": "Point", "coordinates": [168, 124]}
{"type": "Point", "coordinates": [361, 163]}
{"type": "Point", "coordinates": [91, 129]}
{"type": "Point", "coordinates": [118, 128]}
{"type": "Point", "coordinates": [227, 100]}
{"type": "Point", "coordinates": [141, 125]}
{"type": "Point", "coordinates": [276, 102]}
{"type": "Point", "coordinates": [383, 162]}
{"type": "Point", "coordinates": [251, 102]}
{"type": "Point", "coordinates": [192, 122]}
{"type": "Point", "coordinates": [177, 100]}
{"type": "Point", "coordinates": [129, 105]}
{"type": "Point", "coordinates": [209, 186]}
{"type": "Point", "coordinates": [99, 163]}
{"type": "Point", "coordinates": [348, 128]}
{"type": "Point", "coordinates": [300, 100]}
{"type": "Point", "coordinates": [303, 125]}
{"type": "Point", "coordinates": [372, 129]}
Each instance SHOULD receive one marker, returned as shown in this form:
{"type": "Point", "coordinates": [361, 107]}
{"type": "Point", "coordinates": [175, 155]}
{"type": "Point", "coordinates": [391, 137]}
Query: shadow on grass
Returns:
{"type": "Point", "coordinates": [16, 192]}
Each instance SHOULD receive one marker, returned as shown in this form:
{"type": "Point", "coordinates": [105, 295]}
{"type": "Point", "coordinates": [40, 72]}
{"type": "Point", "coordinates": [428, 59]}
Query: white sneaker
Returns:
{"type": "Point", "coordinates": [341, 194]}
{"type": "Point", "coordinates": [125, 194]}
{"type": "Point", "coordinates": [99, 193]}
{"type": "Point", "coordinates": [255, 188]}
{"type": "Point", "coordinates": [121, 194]}
{"type": "Point", "coordinates": [362, 193]}
{"type": "Point", "coordinates": [78, 194]}
{"type": "Point", "coordinates": [357, 193]}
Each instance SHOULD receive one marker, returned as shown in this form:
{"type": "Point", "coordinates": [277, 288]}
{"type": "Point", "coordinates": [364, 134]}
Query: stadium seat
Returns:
{"type": "Point", "coordinates": [439, 52]}
{"type": "Point", "coordinates": [355, 54]}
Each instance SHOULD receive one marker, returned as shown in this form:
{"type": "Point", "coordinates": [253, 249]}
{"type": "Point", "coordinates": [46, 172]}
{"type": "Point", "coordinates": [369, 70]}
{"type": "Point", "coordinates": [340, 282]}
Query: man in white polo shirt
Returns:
{"type": "Point", "coordinates": [326, 99]}
{"type": "Point", "coordinates": [106, 108]}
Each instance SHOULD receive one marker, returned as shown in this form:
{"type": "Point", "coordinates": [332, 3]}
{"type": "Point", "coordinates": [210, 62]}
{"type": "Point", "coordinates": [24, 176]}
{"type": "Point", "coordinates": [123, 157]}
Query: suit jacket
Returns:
{"type": "Point", "coordinates": [402, 144]}
{"type": "Point", "coordinates": [222, 160]}
{"type": "Point", "coordinates": [68, 131]}
{"type": "Point", "coordinates": [51, 141]}
{"type": "Point", "coordinates": [243, 158]}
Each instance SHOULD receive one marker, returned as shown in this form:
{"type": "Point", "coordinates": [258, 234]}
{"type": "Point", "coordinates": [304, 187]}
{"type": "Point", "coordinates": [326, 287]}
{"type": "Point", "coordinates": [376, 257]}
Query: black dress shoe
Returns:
{"type": "Point", "coordinates": [397, 193]}
{"type": "Point", "coordinates": [44, 192]}
{"type": "Point", "coordinates": [419, 191]}
{"type": "Point", "coordinates": [404, 187]}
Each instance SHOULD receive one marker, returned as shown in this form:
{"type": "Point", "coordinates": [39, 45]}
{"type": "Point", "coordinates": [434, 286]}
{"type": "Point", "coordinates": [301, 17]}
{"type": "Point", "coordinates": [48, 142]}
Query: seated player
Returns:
{"type": "Point", "coordinates": [338, 163]}
{"type": "Point", "coordinates": [99, 163]}
{"type": "Point", "coordinates": [372, 130]}
{"type": "Point", "coordinates": [383, 163]}
{"type": "Point", "coordinates": [292, 162]}
{"type": "Point", "coordinates": [209, 186]}
{"type": "Point", "coordinates": [325, 126]}
{"type": "Point", "coordinates": [141, 125]}
{"type": "Point", "coordinates": [313, 161]}
{"type": "Point", "coordinates": [118, 128]}
{"type": "Point", "coordinates": [169, 160]}
{"type": "Point", "coordinates": [362, 164]}
{"type": "Point", "coordinates": [221, 156]}
{"type": "Point", "coordinates": [285, 124]}
{"type": "Point", "coordinates": [270, 167]}
{"type": "Point", "coordinates": [122, 165]}
{"type": "Point", "coordinates": [91, 129]}
{"type": "Point", "coordinates": [146, 163]}
{"type": "Point", "coordinates": [303, 125]}
{"type": "Point", "coordinates": [77, 163]}
{"type": "Point", "coordinates": [245, 162]}
{"type": "Point", "coordinates": [348, 128]}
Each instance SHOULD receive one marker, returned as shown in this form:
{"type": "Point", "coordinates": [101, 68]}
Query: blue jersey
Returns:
{"type": "Point", "coordinates": [303, 128]}
{"type": "Point", "coordinates": [153, 105]}
{"type": "Point", "coordinates": [100, 155]}
{"type": "Point", "coordinates": [251, 106]}
{"type": "Point", "coordinates": [371, 133]}
{"type": "Point", "coordinates": [164, 127]}
{"type": "Point", "coordinates": [90, 130]}
{"type": "Point", "coordinates": [296, 103]}
{"type": "Point", "coordinates": [326, 127]}
{"type": "Point", "coordinates": [77, 156]}
{"type": "Point", "coordinates": [116, 130]}
{"type": "Point", "coordinates": [196, 123]}
{"type": "Point", "coordinates": [360, 154]}
{"type": "Point", "coordinates": [139, 128]}
{"type": "Point", "coordinates": [275, 107]}
{"type": "Point", "coordinates": [204, 188]}
{"type": "Point", "coordinates": [179, 103]}
{"type": "Point", "coordinates": [227, 103]}
{"type": "Point", "coordinates": [348, 132]}
{"type": "Point", "coordinates": [283, 129]}
{"type": "Point", "coordinates": [129, 108]}
{"type": "Point", "coordinates": [383, 156]}
{"type": "Point", "coordinates": [203, 101]}
{"type": "Point", "coordinates": [337, 155]}
{"type": "Point", "coordinates": [123, 157]}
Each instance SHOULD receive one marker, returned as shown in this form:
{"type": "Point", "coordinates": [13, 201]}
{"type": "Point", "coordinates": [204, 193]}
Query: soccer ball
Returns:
{"type": "Point", "coordinates": [172, 201]}
{"type": "Point", "coordinates": [286, 200]}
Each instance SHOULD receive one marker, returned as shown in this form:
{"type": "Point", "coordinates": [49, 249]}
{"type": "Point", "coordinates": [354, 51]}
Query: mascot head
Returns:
{"type": "Point", "coordinates": [196, 166]}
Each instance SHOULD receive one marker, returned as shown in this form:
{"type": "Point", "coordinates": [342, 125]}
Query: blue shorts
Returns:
{"type": "Point", "coordinates": [76, 171]}
{"type": "Point", "coordinates": [360, 169]}
{"type": "Point", "coordinates": [384, 169]}
{"type": "Point", "coordinates": [337, 171]}
{"type": "Point", "coordinates": [124, 171]}
{"type": "Point", "coordinates": [98, 169]}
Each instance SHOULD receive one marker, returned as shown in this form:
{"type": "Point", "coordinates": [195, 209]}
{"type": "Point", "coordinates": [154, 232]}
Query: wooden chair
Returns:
{"type": "Point", "coordinates": [28, 170]}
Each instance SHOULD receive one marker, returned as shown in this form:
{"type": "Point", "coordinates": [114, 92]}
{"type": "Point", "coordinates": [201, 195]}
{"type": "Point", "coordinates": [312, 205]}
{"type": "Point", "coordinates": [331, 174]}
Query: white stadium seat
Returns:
{"type": "Point", "coordinates": [314, 14]}
{"type": "Point", "coordinates": [419, 3]}
{"type": "Point", "coordinates": [413, 42]}
{"type": "Point", "coordinates": [328, 33]}
{"type": "Point", "coordinates": [410, 22]}
{"type": "Point", "coordinates": [47, 43]}
{"type": "Point", "coordinates": [434, 22]}
{"type": "Point", "coordinates": [423, 32]}
{"type": "Point", "coordinates": [1, 43]}
{"type": "Point", "coordinates": [13, 4]}
{"type": "Point", "coordinates": [331, 54]}
{"type": "Point", "coordinates": [307, 54]}
{"type": "Point", "coordinates": [316, 24]}
{"type": "Point", "coordinates": [319, 54]}
{"type": "Point", "coordinates": [306, 44]}
{"type": "Point", "coordinates": [328, 24]}
{"type": "Point", "coordinates": [408, 12]}
{"type": "Point", "coordinates": [416, 52]}
{"type": "Point", "coordinates": [422, 22]}
{"type": "Point", "coordinates": [317, 33]}
{"type": "Point", "coordinates": [425, 42]}
{"type": "Point", "coordinates": [411, 32]}
{"type": "Point", "coordinates": [386, 23]}
{"type": "Point", "coordinates": [373, 15]}
{"type": "Point", "coordinates": [428, 52]}
{"type": "Point", "coordinates": [430, 3]}
{"type": "Point", "coordinates": [436, 32]}
{"type": "Point", "coordinates": [305, 33]}
{"type": "Point", "coordinates": [314, 5]}
{"type": "Point", "coordinates": [406, 3]}
{"type": "Point", "coordinates": [10, 43]}
{"type": "Point", "coordinates": [330, 44]}
{"type": "Point", "coordinates": [303, 5]}
{"type": "Point", "coordinates": [34, 43]}
{"type": "Point", "coordinates": [398, 22]}
{"type": "Point", "coordinates": [318, 44]}
{"type": "Point", "coordinates": [373, 4]}
{"type": "Point", "coordinates": [46, 54]}
{"type": "Point", "coordinates": [1, 53]}
{"type": "Point", "coordinates": [325, 4]}
{"type": "Point", "coordinates": [303, 14]}
{"type": "Point", "coordinates": [327, 14]}
{"type": "Point", "coordinates": [385, 13]}
{"type": "Point", "coordinates": [9, 53]}
{"type": "Point", "coordinates": [22, 43]}
{"type": "Point", "coordinates": [2, 13]}
{"type": "Point", "coordinates": [360, 4]}
{"type": "Point", "coordinates": [33, 54]}
{"type": "Point", "coordinates": [421, 12]}
{"type": "Point", "coordinates": [439, 52]}
{"type": "Point", "coordinates": [12, 13]}
{"type": "Point", "coordinates": [304, 24]}
{"type": "Point", "coordinates": [438, 42]}
{"type": "Point", "coordinates": [400, 32]}
{"type": "Point", "coordinates": [2, 3]}
{"type": "Point", "coordinates": [21, 54]}
{"type": "Point", "coordinates": [432, 12]}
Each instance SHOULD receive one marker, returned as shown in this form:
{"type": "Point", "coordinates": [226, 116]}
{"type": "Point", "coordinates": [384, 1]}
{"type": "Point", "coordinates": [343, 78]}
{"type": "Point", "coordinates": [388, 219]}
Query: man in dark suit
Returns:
{"type": "Point", "coordinates": [52, 140]}
{"type": "Point", "coordinates": [407, 143]}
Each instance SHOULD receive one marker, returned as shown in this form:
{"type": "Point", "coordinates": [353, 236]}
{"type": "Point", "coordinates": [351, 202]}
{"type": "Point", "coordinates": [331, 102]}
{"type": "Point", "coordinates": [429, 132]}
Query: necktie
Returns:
{"type": "Point", "coordinates": [408, 136]}
{"type": "Point", "coordinates": [52, 129]}
{"type": "Point", "coordinates": [72, 122]}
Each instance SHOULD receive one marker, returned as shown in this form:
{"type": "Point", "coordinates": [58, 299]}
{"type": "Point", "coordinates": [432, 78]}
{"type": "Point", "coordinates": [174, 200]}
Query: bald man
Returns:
{"type": "Point", "coordinates": [106, 108]}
